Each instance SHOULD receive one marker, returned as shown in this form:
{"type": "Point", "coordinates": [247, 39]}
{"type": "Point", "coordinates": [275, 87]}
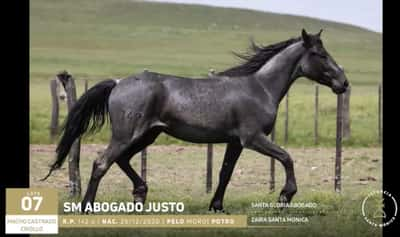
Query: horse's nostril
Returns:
{"type": "Point", "coordinates": [346, 83]}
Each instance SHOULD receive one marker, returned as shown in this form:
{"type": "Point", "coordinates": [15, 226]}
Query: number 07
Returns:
{"type": "Point", "coordinates": [26, 203]}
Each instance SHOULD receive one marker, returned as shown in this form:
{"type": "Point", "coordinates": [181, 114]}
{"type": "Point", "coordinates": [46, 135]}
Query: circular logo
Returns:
{"type": "Point", "coordinates": [379, 208]}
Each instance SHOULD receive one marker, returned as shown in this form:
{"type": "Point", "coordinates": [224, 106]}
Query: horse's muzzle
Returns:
{"type": "Point", "coordinates": [340, 84]}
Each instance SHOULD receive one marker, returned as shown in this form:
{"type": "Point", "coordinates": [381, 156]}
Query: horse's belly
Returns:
{"type": "Point", "coordinates": [198, 134]}
{"type": "Point", "coordinates": [198, 118]}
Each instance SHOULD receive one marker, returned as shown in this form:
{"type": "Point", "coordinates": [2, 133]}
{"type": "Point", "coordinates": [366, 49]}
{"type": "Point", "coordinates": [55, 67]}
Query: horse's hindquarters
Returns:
{"type": "Point", "coordinates": [135, 106]}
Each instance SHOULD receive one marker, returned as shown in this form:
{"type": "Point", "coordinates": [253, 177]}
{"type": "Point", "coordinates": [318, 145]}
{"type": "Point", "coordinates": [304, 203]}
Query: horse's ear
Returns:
{"type": "Point", "coordinates": [319, 33]}
{"type": "Point", "coordinates": [306, 38]}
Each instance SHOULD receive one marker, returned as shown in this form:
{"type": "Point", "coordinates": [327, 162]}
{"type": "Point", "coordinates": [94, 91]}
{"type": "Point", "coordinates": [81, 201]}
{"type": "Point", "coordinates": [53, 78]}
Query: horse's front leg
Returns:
{"type": "Point", "coordinates": [261, 144]}
{"type": "Point", "coordinates": [232, 154]}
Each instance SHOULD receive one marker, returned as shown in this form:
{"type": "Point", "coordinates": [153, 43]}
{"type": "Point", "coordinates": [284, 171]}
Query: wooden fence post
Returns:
{"type": "Point", "coordinates": [143, 159]}
{"type": "Point", "coordinates": [286, 119]}
{"type": "Point", "coordinates": [339, 130]}
{"type": "Point", "coordinates": [316, 115]}
{"type": "Point", "coordinates": [144, 164]}
{"type": "Point", "coordinates": [380, 113]}
{"type": "Point", "coordinates": [209, 167]}
{"type": "Point", "coordinates": [86, 85]}
{"type": "Point", "coordinates": [346, 114]}
{"type": "Point", "coordinates": [74, 154]}
{"type": "Point", "coordinates": [272, 166]}
{"type": "Point", "coordinates": [209, 164]}
{"type": "Point", "coordinates": [54, 110]}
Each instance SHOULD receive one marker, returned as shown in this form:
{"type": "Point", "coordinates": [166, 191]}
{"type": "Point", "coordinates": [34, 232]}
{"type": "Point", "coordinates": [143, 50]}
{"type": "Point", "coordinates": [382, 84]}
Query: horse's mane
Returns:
{"type": "Point", "coordinates": [257, 56]}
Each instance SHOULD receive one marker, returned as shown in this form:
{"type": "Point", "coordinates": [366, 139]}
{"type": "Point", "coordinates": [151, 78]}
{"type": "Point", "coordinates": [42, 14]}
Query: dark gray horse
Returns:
{"type": "Point", "coordinates": [238, 107]}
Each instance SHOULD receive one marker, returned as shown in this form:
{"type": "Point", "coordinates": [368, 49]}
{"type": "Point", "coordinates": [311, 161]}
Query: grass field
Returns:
{"type": "Point", "coordinates": [335, 215]}
{"type": "Point", "coordinates": [98, 39]}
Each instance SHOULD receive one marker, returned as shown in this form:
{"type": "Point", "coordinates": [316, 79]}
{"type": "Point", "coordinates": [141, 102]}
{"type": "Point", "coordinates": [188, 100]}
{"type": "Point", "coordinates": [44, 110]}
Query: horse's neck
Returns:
{"type": "Point", "coordinates": [276, 75]}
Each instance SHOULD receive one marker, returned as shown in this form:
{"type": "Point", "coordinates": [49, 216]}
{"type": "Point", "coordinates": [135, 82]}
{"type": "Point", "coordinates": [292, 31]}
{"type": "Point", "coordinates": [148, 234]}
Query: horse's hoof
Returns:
{"type": "Point", "coordinates": [139, 194]}
{"type": "Point", "coordinates": [215, 210]}
{"type": "Point", "coordinates": [216, 206]}
{"type": "Point", "coordinates": [219, 211]}
{"type": "Point", "coordinates": [137, 199]}
{"type": "Point", "coordinates": [283, 199]}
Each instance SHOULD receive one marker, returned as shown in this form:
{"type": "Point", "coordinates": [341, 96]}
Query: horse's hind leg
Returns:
{"type": "Point", "coordinates": [262, 145]}
{"type": "Point", "coordinates": [140, 187]}
{"type": "Point", "coordinates": [100, 166]}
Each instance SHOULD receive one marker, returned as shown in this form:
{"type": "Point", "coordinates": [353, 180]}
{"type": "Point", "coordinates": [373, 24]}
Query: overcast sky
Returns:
{"type": "Point", "coordinates": [364, 13]}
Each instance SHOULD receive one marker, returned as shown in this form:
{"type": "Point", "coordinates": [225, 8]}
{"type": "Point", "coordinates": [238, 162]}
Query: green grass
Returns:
{"type": "Point", "coordinates": [99, 39]}
{"type": "Point", "coordinates": [335, 215]}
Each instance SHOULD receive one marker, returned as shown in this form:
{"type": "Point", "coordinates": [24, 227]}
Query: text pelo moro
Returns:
{"type": "Point", "coordinates": [124, 207]}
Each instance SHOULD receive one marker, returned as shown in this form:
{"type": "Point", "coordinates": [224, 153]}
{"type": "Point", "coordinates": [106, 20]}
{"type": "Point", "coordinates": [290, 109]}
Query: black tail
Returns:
{"type": "Point", "coordinates": [89, 113]}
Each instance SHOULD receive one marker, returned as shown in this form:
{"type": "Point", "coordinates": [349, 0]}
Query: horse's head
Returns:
{"type": "Point", "coordinates": [318, 65]}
